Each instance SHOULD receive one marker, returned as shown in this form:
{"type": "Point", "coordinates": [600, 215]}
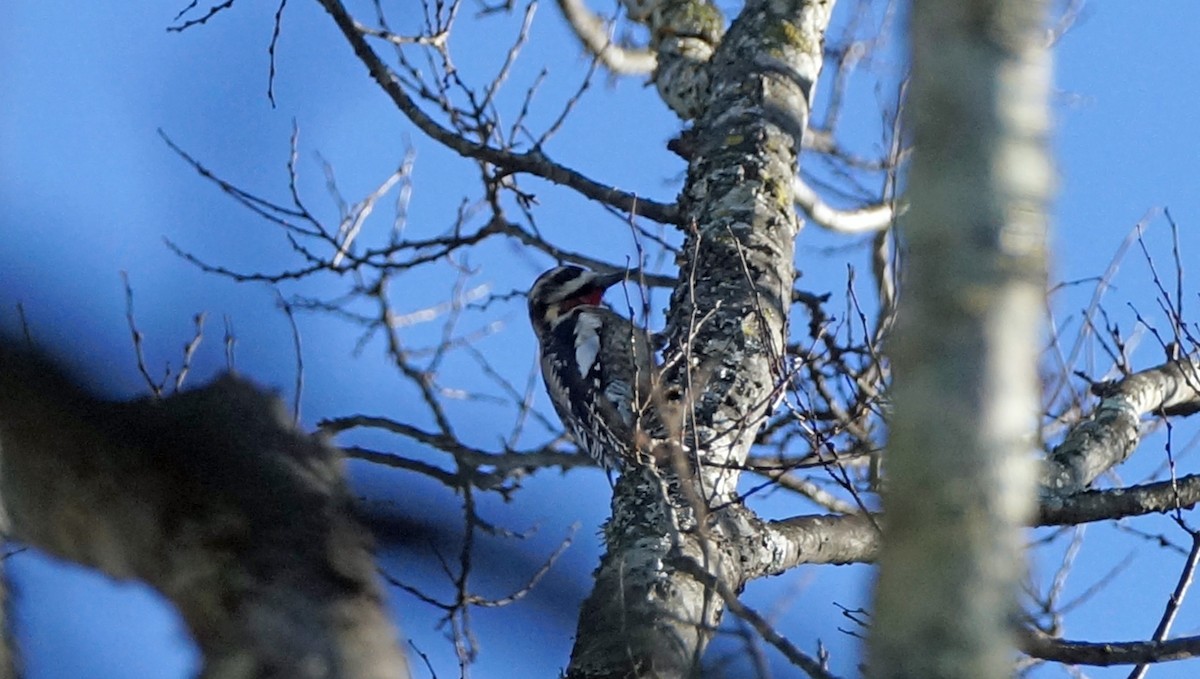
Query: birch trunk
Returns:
{"type": "Point", "coordinates": [959, 475]}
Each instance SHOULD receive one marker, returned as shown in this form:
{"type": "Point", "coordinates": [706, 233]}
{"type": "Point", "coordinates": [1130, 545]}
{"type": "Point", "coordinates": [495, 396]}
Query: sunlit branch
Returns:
{"type": "Point", "coordinates": [854, 538]}
{"type": "Point", "coordinates": [594, 33]}
{"type": "Point", "coordinates": [863, 220]}
{"type": "Point", "coordinates": [814, 540]}
{"type": "Point", "coordinates": [1113, 431]}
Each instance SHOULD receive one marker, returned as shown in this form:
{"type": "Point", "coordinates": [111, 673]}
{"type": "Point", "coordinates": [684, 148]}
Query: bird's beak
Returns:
{"type": "Point", "coordinates": [606, 281]}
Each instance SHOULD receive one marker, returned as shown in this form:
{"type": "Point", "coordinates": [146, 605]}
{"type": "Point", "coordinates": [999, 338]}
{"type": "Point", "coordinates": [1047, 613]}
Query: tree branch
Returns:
{"type": "Point", "coordinates": [1113, 431]}
{"type": "Point", "coordinates": [594, 33]}
{"type": "Point", "coordinates": [964, 347]}
{"type": "Point", "coordinates": [211, 497]}
{"type": "Point", "coordinates": [828, 539]}
{"type": "Point", "coordinates": [683, 37]}
{"type": "Point", "coordinates": [1041, 645]}
{"type": "Point", "coordinates": [777, 546]}
{"type": "Point", "coordinates": [1118, 503]}
{"type": "Point", "coordinates": [863, 220]}
{"type": "Point", "coordinates": [532, 162]}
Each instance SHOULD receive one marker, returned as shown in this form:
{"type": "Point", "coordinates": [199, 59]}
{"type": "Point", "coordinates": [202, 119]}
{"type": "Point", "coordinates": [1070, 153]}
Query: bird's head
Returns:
{"type": "Point", "coordinates": [563, 288]}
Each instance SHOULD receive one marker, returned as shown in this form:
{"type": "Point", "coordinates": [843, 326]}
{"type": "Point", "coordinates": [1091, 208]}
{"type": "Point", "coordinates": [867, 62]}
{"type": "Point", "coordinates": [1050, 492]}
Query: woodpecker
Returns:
{"type": "Point", "coordinates": [598, 366]}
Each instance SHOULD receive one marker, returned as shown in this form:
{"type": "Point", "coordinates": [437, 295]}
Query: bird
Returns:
{"type": "Point", "coordinates": [598, 366]}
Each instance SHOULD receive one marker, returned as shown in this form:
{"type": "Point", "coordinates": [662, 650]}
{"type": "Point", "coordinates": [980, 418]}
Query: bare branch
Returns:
{"type": "Point", "coordinates": [201, 20]}
{"type": "Point", "coordinates": [596, 37]}
{"type": "Point", "coordinates": [533, 162]}
{"type": "Point", "coordinates": [810, 666]}
{"type": "Point", "coordinates": [1174, 602]}
{"type": "Point", "coordinates": [1101, 505]}
{"type": "Point", "coordinates": [781, 545]}
{"type": "Point", "coordinates": [1041, 645]}
{"type": "Point", "coordinates": [863, 220]}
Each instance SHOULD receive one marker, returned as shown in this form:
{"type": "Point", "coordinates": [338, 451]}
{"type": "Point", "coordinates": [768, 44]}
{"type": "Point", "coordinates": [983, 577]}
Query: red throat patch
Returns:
{"type": "Point", "coordinates": [587, 299]}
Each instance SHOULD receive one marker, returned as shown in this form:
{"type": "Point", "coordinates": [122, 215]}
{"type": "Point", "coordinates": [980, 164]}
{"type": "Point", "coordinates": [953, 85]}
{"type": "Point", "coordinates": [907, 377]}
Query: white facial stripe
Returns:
{"type": "Point", "coordinates": [572, 288]}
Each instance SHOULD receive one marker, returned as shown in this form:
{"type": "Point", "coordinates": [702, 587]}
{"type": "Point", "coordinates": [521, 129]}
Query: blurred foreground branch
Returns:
{"type": "Point", "coordinates": [211, 497]}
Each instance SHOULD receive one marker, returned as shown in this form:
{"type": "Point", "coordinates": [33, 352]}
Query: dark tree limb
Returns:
{"type": "Point", "coordinates": [1118, 503]}
{"type": "Point", "coordinates": [1040, 645]}
{"type": "Point", "coordinates": [211, 497]}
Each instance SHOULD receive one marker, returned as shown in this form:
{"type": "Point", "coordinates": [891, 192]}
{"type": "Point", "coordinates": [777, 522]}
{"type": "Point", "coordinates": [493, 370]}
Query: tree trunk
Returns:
{"type": "Point", "coordinates": [654, 607]}
{"type": "Point", "coordinates": [960, 468]}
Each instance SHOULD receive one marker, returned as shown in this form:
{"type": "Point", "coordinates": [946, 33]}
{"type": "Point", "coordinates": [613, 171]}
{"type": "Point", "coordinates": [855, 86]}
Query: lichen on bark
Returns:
{"type": "Point", "coordinates": [726, 332]}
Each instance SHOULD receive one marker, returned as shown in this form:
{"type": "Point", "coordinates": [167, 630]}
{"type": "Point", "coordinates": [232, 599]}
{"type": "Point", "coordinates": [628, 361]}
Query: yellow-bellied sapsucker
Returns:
{"type": "Point", "coordinates": [598, 366]}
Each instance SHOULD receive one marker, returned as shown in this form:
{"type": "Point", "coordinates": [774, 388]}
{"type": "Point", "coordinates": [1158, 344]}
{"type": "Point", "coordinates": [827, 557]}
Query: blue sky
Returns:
{"type": "Point", "coordinates": [90, 190]}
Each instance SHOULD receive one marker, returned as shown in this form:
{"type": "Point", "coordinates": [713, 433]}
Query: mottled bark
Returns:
{"type": "Point", "coordinates": [653, 610]}
{"type": "Point", "coordinates": [213, 498]}
{"type": "Point", "coordinates": [1114, 429]}
{"type": "Point", "coordinates": [960, 472]}
{"type": "Point", "coordinates": [650, 614]}
{"type": "Point", "coordinates": [683, 36]}
{"type": "Point", "coordinates": [728, 314]}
